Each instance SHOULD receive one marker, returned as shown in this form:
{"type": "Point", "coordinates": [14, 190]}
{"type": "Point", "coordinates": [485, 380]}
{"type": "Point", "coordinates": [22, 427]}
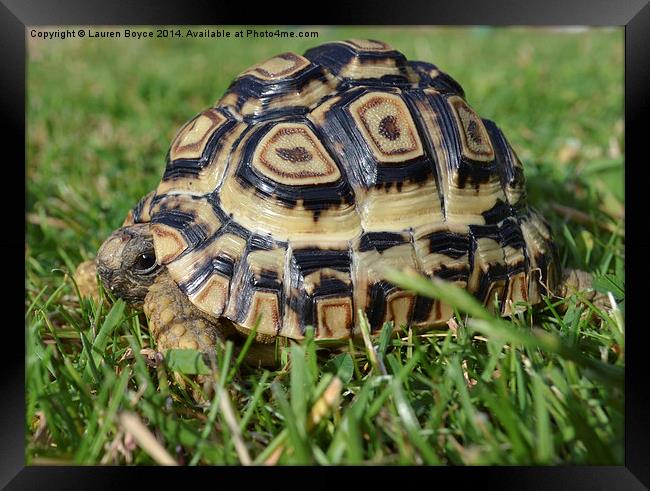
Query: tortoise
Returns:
{"type": "Point", "coordinates": [282, 205]}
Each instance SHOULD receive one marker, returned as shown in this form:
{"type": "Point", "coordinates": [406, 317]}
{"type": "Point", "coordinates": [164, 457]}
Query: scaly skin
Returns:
{"type": "Point", "coordinates": [575, 280]}
{"type": "Point", "coordinates": [86, 278]}
{"type": "Point", "coordinates": [174, 322]}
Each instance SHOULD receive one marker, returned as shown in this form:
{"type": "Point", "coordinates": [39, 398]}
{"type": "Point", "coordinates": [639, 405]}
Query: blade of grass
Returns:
{"type": "Point", "coordinates": [612, 375]}
{"type": "Point", "coordinates": [544, 440]}
{"type": "Point", "coordinates": [132, 424]}
{"type": "Point", "coordinates": [295, 439]}
{"type": "Point", "coordinates": [109, 416]}
{"type": "Point", "coordinates": [439, 289]}
{"type": "Point", "coordinates": [111, 322]}
{"type": "Point", "coordinates": [413, 429]}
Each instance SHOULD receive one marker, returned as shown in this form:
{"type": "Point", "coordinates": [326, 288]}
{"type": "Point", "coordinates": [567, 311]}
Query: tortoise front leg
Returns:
{"type": "Point", "coordinates": [174, 322]}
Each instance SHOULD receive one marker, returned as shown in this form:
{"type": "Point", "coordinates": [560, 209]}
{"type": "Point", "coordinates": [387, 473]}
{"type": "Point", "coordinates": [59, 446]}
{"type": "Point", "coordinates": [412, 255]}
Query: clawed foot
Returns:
{"type": "Point", "coordinates": [580, 282]}
{"type": "Point", "coordinates": [85, 277]}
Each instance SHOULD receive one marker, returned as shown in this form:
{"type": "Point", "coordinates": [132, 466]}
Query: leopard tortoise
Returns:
{"type": "Point", "coordinates": [284, 203]}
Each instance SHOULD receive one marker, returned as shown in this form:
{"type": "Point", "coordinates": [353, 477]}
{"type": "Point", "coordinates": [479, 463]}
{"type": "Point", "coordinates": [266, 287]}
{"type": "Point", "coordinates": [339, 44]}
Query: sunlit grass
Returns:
{"type": "Point", "coordinates": [542, 388]}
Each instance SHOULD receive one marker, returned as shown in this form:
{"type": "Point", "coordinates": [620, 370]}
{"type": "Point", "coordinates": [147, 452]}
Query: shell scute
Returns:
{"type": "Point", "coordinates": [285, 85]}
{"type": "Point", "coordinates": [428, 75]}
{"type": "Point", "coordinates": [362, 62]}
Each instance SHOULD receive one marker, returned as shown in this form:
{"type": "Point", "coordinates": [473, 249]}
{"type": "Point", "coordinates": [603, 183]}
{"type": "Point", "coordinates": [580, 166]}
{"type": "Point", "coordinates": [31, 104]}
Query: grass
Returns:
{"type": "Point", "coordinates": [543, 388]}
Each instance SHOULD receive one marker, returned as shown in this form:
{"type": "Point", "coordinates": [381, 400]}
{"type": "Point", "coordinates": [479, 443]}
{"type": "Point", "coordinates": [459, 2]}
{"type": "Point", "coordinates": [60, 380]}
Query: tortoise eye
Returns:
{"type": "Point", "coordinates": [145, 263]}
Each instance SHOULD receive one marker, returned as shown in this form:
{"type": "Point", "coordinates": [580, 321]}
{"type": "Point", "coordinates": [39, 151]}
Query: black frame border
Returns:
{"type": "Point", "coordinates": [16, 16]}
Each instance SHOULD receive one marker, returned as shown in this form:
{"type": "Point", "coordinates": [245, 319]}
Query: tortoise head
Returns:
{"type": "Point", "coordinates": [126, 262]}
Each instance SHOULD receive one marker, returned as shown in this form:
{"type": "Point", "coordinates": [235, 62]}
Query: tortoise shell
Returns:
{"type": "Point", "coordinates": [283, 203]}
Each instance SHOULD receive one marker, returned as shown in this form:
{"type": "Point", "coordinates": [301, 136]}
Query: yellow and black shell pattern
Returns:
{"type": "Point", "coordinates": [284, 202]}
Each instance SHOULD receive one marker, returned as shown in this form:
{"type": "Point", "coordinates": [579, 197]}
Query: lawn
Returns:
{"type": "Point", "coordinates": [543, 388]}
